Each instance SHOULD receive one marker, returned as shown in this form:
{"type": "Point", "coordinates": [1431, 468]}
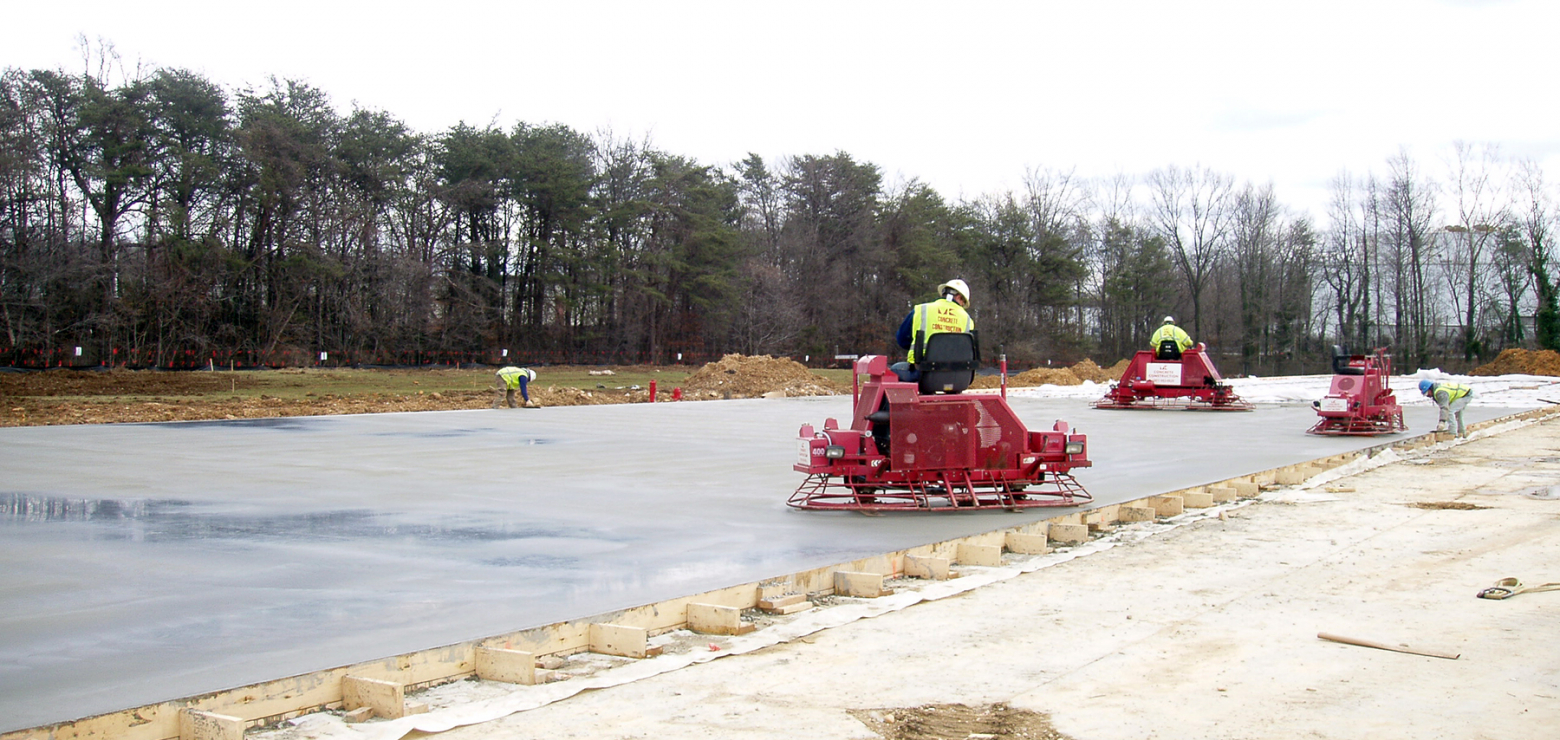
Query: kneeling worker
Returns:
{"type": "Point", "coordinates": [511, 379]}
{"type": "Point", "coordinates": [1452, 398]}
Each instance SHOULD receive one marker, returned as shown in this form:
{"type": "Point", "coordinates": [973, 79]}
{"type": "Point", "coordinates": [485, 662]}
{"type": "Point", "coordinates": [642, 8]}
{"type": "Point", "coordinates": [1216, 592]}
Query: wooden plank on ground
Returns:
{"type": "Point", "coordinates": [858, 584]}
{"type": "Point", "coordinates": [1027, 544]}
{"type": "Point", "coordinates": [507, 666]}
{"type": "Point", "coordinates": [714, 619]}
{"type": "Point", "coordinates": [386, 698]}
{"type": "Point", "coordinates": [926, 566]}
{"type": "Point", "coordinates": [989, 556]}
{"type": "Point", "coordinates": [621, 640]}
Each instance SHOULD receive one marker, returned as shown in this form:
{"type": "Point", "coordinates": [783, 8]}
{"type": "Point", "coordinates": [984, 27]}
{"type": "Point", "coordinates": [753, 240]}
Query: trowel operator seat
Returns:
{"type": "Point", "coordinates": [1343, 363]}
{"type": "Point", "coordinates": [949, 362]}
{"type": "Point", "coordinates": [1169, 350]}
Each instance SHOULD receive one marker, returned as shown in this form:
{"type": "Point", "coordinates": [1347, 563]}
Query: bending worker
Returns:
{"type": "Point", "coordinates": [949, 313]}
{"type": "Point", "coordinates": [510, 379]}
{"type": "Point", "coordinates": [1452, 398]}
{"type": "Point", "coordinates": [1169, 331]}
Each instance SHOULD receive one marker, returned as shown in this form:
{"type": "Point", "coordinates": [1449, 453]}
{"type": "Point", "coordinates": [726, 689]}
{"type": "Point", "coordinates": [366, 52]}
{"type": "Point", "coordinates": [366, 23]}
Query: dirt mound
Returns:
{"type": "Point", "coordinates": [569, 396]}
{"type": "Point", "coordinates": [1045, 376]}
{"type": "Point", "coordinates": [741, 376]}
{"type": "Point", "coordinates": [1522, 362]}
{"type": "Point", "coordinates": [936, 721]}
{"type": "Point", "coordinates": [1075, 375]}
{"type": "Point", "coordinates": [1030, 378]}
{"type": "Point", "coordinates": [1087, 370]}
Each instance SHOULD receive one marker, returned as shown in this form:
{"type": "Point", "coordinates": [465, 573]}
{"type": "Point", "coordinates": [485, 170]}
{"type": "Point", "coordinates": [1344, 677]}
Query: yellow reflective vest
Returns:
{"type": "Point", "coordinates": [1445, 393]}
{"type": "Point", "coordinates": [939, 316]}
{"type": "Point", "coordinates": [1170, 331]}
{"type": "Point", "coordinates": [511, 376]}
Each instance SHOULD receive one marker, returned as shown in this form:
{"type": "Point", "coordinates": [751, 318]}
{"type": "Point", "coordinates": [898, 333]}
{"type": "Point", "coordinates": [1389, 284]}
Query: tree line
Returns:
{"type": "Point", "coordinates": [160, 217]}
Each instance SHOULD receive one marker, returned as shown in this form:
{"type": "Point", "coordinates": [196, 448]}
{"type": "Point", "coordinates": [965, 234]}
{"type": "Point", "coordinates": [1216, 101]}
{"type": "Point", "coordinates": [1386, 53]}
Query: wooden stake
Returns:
{"type": "Point", "coordinates": [1380, 646]}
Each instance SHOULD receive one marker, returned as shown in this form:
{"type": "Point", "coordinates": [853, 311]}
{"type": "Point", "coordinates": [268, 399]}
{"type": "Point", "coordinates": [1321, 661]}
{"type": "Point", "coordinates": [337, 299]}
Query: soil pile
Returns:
{"type": "Point", "coordinates": [741, 376]}
{"type": "Point", "coordinates": [937, 721]}
{"type": "Point", "coordinates": [1087, 370]}
{"type": "Point", "coordinates": [569, 396]}
{"type": "Point", "coordinates": [1522, 362]}
{"type": "Point", "coordinates": [1045, 376]}
{"type": "Point", "coordinates": [1075, 375]}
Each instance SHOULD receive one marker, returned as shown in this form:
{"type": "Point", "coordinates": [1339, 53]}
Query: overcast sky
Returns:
{"type": "Point", "coordinates": [965, 96]}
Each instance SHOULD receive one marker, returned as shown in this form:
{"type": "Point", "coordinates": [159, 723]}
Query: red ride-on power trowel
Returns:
{"type": "Point", "coordinates": [928, 447]}
{"type": "Point", "coordinates": [1360, 402]}
{"type": "Point", "coordinates": [1171, 379]}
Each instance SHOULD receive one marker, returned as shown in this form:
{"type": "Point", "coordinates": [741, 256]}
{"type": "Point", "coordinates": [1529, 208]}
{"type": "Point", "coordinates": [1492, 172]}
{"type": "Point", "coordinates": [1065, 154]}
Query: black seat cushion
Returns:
{"type": "Point", "coordinates": [949, 362]}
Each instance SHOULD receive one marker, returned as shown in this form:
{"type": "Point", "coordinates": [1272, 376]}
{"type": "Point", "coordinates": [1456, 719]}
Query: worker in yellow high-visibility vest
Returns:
{"type": "Point", "coordinates": [949, 313]}
{"type": "Point", "coordinates": [1452, 398]}
{"type": "Point", "coordinates": [1168, 331]}
{"type": "Point", "coordinates": [511, 379]}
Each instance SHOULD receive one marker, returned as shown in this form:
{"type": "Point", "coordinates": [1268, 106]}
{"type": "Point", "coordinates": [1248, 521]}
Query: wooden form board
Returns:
{"type": "Point", "coordinates": [927, 566]}
{"type": "Point", "coordinates": [1070, 534]}
{"type": "Point", "coordinates": [989, 556]}
{"type": "Point", "coordinates": [386, 698]}
{"type": "Point", "coordinates": [620, 639]}
{"type": "Point", "coordinates": [198, 725]}
{"type": "Point", "coordinates": [714, 619]}
{"type": "Point", "coordinates": [507, 666]}
{"type": "Point", "coordinates": [859, 584]}
{"type": "Point", "coordinates": [1024, 543]}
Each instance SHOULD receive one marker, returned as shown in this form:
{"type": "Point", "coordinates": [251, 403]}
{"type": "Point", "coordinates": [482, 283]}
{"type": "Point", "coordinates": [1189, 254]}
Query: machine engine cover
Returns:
{"type": "Point", "coordinates": [935, 436]}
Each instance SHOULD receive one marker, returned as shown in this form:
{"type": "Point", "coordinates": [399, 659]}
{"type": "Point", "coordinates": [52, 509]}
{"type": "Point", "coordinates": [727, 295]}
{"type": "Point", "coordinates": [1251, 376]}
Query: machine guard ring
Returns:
{"type": "Point", "coordinates": [822, 492]}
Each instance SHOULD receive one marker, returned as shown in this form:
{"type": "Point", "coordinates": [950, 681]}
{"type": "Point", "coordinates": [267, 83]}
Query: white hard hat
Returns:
{"type": "Point", "coordinates": [531, 373]}
{"type": "Point", "coordinates": [1169, 320]}
{"type": "Point", "coordinates": [957, 286]}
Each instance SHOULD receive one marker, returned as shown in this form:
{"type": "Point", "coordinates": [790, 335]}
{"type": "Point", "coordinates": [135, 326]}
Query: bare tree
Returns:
{"type": "Point", "coordinates": [1106, 197]}
{"type": "Point", "coordinates": [1480, 210]}
{"type": "Point", "coordinates": [767, 317]}
{"type": "Point", "coordinates": [1057, 203]}
{"type": "Point", "coordinates": [1254, 237]}
{"type": "Point", "coordinates": [1345, 262]}
{"type": "Point", "coordinates": [1508, 264]}
{"type": "Point", "coordinates": [1191, 210]}
{"type": "Point", "coordinates": [1535, 220]}
{"type": "Point", "coordinates": [1408, 218]}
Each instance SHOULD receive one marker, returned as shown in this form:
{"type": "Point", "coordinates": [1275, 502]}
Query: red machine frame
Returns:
{"type": "Point", "coordinates": [1191, 383]}
{"type": "Point", "coordinates": [1360, 401]}
{"type": "Point", "coordinates": [943, 452]}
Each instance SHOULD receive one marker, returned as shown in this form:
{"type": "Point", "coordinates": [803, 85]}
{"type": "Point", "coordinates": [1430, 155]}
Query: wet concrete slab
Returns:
{"type": "Point", "coordinates": [146, 562]}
